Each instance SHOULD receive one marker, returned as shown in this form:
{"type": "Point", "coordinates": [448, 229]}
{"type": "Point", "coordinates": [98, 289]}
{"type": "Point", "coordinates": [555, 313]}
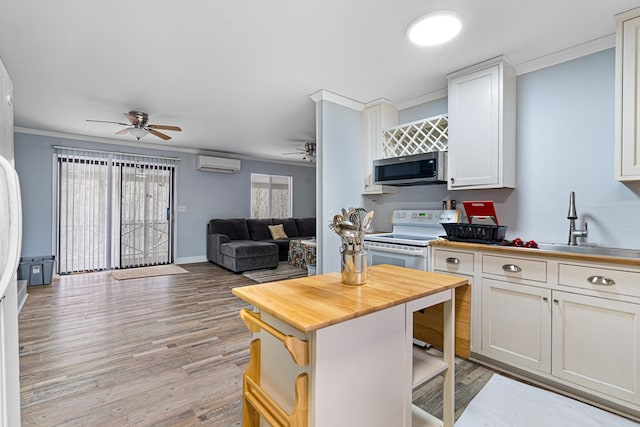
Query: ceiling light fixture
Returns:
{"type": "Point", "coordinates": [434, 28]}
{"type": "Point", "coordinates": [138, 132]}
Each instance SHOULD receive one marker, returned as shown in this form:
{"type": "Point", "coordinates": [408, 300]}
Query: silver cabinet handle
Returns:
{"type": "Point", "coordinates": [601, 280]}
{"type": "Point", "coordinates": [452, 261]}
{"type": "Point", "coordinates": [511, 268]}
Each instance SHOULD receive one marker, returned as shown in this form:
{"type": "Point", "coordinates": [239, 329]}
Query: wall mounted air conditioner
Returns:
{"type": "Point", "coordinates": [217, 164]}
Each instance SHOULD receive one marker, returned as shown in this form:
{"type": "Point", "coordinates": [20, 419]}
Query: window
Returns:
{"type": "Point", "coordinates": [271, 196]}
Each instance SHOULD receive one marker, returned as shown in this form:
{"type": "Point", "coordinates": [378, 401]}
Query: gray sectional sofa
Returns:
{"type": "Point", "coordinates": [240, 244]}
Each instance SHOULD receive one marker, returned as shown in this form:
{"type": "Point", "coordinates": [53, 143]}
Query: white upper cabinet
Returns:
{"type": "Point", "coordinates": [627, 146]}
{"type": "Point", "coordinates": [376, 117]}
{"type": "Point", "coordinates": [482, 126]}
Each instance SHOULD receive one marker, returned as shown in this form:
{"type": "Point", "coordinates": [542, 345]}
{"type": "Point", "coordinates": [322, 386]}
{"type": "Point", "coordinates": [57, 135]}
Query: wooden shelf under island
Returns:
{"type": "Point", "coordinates": [329, 354]}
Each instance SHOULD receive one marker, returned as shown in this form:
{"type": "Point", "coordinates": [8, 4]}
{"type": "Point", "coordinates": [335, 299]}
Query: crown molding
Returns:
{"type": "Point", "coordinates": [584, 49]}
{"type": "Point", "coordinates": [631, 13]}
{"type": "Point", "coordinates": [432, 96]}
{"type": "Point", "coordinates": [102, 140]}
{"type": "Point", "coordinates": [152, 146]}
{"type": "Point", "coordinates": [380, 101]}
{"type": "Point", "coordinates": [325, 95]}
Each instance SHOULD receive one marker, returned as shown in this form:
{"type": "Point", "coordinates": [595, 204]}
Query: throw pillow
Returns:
{"type": "Point", "coordinates": [277, 232]}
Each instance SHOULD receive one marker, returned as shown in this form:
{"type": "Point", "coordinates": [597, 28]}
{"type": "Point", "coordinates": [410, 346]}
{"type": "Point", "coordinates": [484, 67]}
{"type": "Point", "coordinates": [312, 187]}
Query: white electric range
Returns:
{"type": "Point", "coordinates": [408, 243]}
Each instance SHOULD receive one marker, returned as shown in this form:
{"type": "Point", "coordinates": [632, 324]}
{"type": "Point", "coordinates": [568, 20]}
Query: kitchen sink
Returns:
{"type": "Point", "coordinates": [590, 250]}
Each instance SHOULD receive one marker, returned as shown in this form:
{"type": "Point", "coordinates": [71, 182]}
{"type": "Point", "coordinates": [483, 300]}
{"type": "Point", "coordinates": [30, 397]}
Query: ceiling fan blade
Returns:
{"type": "Point", "coordinates": [165, 127]}
{"type": "Point", "coordinates": [133, 119]}
{"type": "Point", "coordinates": [159, 134]}
{"type": "Point", "coordinates": [123, 131]}
{"type": "Point", "coordinates": [107, 121]}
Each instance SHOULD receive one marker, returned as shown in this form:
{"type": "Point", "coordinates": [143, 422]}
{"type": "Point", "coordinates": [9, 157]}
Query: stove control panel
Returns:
{"type": "Point", "coordinates": [424, 217]}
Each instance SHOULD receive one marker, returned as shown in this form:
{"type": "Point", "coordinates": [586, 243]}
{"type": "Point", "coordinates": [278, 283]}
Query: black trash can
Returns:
{"type": "Point", "coordinates": [36, 270]}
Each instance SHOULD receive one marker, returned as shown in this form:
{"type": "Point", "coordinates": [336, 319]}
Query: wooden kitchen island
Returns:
{"type": "Point", "coordinates": [326, 354]}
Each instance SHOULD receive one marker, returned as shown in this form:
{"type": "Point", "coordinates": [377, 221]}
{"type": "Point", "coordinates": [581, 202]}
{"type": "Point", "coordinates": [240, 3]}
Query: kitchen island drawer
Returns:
{"type": "Point", "coordinates": [454, 261]}
{"type": "Point", "coordinates": [516, 268]}
{"type": "Point", "coordinates": [614, 281]}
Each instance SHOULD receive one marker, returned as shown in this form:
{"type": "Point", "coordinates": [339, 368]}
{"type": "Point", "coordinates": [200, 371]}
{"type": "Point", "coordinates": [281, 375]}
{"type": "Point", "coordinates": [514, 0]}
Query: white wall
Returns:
{"type": "Point", "coordinates": [6, 115]}
{"type": "Point", "coordinates": [565, 136]}
{"type": "Point", "coordinates": [339, 169]}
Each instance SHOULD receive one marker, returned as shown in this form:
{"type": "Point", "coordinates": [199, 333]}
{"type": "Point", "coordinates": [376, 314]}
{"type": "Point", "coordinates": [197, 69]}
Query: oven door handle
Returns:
{"type": "Point", "coordinates": [418, 253]}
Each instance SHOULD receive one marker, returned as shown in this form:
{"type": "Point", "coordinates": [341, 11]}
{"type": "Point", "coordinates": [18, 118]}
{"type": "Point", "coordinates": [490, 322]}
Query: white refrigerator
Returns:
{"type": "Point", "coordinates": [10, 247]}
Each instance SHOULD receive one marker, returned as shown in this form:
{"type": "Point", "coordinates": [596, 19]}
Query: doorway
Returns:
{"type": "Point", "coordinates": [114, 210]}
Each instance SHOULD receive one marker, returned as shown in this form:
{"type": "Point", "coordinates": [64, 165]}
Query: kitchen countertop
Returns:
{"type": "Point", "coordinates": [315, 302]}
{"type": "Point", "coordinates": [518, 251]}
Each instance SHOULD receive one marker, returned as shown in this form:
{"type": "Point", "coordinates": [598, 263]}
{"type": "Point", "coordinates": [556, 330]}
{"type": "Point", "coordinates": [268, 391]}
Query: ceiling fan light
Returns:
{"type": "Point", "coordinates": [138, 133]}
{"type": "Point", "coordinates": [434, 28]}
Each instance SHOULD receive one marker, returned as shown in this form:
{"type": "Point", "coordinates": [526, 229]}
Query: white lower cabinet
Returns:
{"type": "Point", "coordinates": [596, 344]}
{"type": "Point", "coordinates": [516, 324]}
{"type": "Point", "coordinates": [573, 323]}
{"type": "Point", "coordinates": [584, 340]}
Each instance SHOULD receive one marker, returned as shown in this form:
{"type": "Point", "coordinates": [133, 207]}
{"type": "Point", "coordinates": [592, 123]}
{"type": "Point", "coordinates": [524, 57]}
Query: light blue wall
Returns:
{"type": "Point", "coordinates": [423, 111]}
{"type": "Point", "coordinates": [565, 142]}
{"type": "Point", "coordinates": [205, 195]}
{"type": "Point", "coordinates": [340, 172]}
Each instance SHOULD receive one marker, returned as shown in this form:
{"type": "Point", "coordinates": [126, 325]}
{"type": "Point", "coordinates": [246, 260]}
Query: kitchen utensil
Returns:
{"type": "Point", "coordinates": [335, 225]}
{"type": "Point", "coordinates": [348, 233]}
{"type": "Point", "coordinates": [351, 226]}
{"type": "Point", "coordinates": [367, 220]}
{"type": "Point", "coordinates": [348, 225]}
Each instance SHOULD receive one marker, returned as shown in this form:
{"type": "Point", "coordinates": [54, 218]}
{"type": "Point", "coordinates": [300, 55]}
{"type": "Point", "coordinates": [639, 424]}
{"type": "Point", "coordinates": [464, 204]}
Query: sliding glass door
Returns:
{"type": "Point", "coordinates": [114, 211]}
{"type": "Point", "coordinates": [142, 226]}
{"type": "Point", "coordinates": [82, 215]}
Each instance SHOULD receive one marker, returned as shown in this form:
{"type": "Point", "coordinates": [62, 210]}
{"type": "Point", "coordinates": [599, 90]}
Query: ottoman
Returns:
{"type": "Point", "coordinates": [244, 255]}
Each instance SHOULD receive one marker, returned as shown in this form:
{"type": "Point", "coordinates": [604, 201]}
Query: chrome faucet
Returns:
{"type": "Point", "coordinates": [572, 216]}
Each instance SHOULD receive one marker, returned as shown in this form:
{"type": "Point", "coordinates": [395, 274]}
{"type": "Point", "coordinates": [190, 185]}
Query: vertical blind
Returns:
{"type": "Point", "coordinates": [114, 210]}
{"type": "Point", "coordinates": [141, 223]}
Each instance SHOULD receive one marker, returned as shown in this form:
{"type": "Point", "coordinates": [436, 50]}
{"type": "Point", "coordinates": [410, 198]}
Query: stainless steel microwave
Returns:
{"type": "Point", "coordinates": [417, 169]}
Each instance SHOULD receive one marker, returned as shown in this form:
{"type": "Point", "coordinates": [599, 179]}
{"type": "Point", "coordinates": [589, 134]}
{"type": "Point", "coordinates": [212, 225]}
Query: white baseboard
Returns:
{"type": "Point", "coordinates": [191, 259]}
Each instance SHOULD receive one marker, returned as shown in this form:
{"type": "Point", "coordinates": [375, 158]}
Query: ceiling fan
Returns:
{"type": "Point", "coordinates": [139, 126]}
{"type": "Point", "coordinates": [308, 152]}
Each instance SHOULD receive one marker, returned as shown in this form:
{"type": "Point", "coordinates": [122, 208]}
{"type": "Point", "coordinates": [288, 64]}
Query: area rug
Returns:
{"type": "Point", "coordinates": [503, 402]}
{"type": "Point", "coordinates": [283, 272]}
{"type": "Point", "coordinates": [155, 270]}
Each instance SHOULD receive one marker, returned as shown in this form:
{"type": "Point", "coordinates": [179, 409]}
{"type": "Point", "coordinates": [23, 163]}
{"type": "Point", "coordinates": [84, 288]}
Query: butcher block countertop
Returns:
{"type": "Point", "coordinates": [517, 251]}
{"type": "Point", "coordinates": [315, 302]}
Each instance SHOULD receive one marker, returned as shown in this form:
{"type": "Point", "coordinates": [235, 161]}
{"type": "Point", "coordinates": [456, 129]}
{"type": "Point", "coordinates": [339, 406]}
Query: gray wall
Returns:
{"type": "Point", "coordinates": [565, 142]}
{"type": "Point", "coordinates": [205, 195]}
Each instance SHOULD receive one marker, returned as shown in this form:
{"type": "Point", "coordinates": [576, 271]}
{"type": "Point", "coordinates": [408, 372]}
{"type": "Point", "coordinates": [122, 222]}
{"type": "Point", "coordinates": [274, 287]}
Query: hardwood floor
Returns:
{"type": "Point", "coordinates": [160, 351]}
